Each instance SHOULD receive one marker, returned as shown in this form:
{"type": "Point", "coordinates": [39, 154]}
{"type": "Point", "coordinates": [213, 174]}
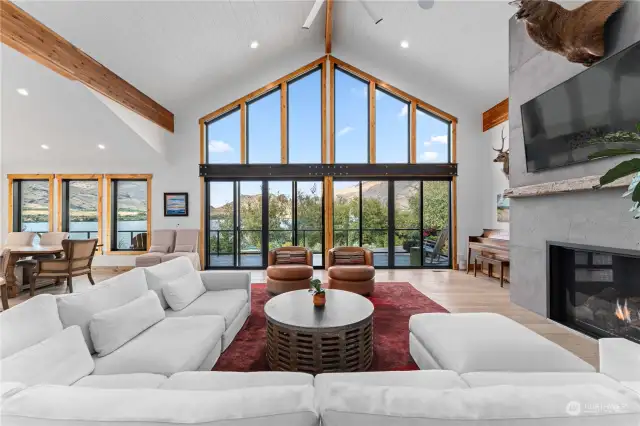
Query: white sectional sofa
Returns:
{"type": "Point", "coordinates": [50, 375]}
{"type": "Point", "coordinates": [186, 340]}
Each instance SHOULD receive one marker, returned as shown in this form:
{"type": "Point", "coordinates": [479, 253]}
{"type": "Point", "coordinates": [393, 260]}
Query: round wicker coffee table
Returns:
{"type": "Point", "coordinates": [336, 338]}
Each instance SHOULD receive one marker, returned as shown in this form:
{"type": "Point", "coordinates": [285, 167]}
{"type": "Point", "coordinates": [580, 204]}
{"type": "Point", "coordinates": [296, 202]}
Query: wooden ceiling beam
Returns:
{"type": "Point", "coordinates": [328, 27]}
{"type": "Point", "coordinates": [495, 115]}
{"type": "Point", "coordinates": [27, 35]}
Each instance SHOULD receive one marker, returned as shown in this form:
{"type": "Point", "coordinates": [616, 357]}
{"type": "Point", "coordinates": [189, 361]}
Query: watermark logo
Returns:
{"type": "Point", "coordinates": [574, 408]}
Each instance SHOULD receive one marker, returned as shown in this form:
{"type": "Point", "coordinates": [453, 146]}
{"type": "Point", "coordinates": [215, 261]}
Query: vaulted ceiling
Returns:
{"type": "Point", "coordinates": [175, 50]}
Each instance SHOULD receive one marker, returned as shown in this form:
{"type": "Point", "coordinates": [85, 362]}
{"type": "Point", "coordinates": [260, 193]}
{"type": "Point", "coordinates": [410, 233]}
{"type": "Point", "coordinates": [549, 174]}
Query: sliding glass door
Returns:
{"type": "Point", "coordinates": [249, 218]}
{"type": "Point", "coordinates": [405, 223]}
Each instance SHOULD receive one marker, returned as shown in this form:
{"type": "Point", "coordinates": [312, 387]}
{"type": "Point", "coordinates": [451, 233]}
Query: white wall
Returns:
{"type": "Point", "coordinates": [498, 181]}
{"type": "Point", "coordinates": [73, 122]}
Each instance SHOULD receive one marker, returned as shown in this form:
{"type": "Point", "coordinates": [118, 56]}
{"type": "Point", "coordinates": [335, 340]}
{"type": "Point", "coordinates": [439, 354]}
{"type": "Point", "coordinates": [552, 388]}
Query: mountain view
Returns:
{"type": "Point", "coordinates": [348, 211]}
{"type": "Point", "coordinates": [83, 201]}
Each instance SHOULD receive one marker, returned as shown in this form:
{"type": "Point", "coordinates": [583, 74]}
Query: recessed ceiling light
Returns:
{"type": "Point", "coordinates": [101, 146]}
{"type": "Point", "coordinates": [404, 44]}
{"type": "Point", "coordinates": [254, 44]}
{"type": "Point", "coordinates": [43, 146]}
{"type": "Point", "coordinates": [23, 92]}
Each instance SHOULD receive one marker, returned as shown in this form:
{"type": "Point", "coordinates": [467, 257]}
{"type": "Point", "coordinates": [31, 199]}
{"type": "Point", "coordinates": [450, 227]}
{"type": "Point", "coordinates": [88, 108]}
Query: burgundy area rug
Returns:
{"type": "Point", "coordinates": [394, 303]}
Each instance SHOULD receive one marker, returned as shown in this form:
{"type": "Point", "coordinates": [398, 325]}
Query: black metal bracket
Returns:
{"type": "Point", "coordinates": [271, 171]}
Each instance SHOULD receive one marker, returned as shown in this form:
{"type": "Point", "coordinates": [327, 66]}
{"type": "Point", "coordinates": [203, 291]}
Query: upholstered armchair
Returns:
{"type": "Point", "coordinates": [162, 242]}
{"type": "Point", "coordinates": [186, 245]}
{"type": "Point", "coordinates": [167, 244]}
{"type": "Point", "coordinates": [20, 238]}
{"type": "Point", "coordinates": [351, 269]}
{"type": "Point", "coordinates": [25, 267]}
{"type": "Point", "coordinates": [76, 262]}
{"type": "Point", "coordinates": [289, 268]}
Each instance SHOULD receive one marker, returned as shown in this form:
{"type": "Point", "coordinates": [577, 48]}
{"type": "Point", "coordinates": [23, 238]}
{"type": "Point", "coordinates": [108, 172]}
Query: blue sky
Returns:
{"type": "Point", "coordinates": [304, 132]}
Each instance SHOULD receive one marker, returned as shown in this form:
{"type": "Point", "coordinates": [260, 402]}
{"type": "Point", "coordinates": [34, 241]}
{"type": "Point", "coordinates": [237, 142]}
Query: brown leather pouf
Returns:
{"type": "Point", "coordinates": [355, 278]}
{"type": "Point", "coordinates": [283, 278]}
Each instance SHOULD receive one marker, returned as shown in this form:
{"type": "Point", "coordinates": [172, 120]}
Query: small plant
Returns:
{"type": "Point", "coordinates": [316, 287]}
{"type": "Point", "coordinates": [623, 169]}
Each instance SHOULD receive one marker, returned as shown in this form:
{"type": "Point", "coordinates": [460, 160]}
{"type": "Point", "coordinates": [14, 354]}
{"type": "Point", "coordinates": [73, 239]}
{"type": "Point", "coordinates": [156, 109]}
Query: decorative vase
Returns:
{"type": "Point", "coordinates": [319, 300]}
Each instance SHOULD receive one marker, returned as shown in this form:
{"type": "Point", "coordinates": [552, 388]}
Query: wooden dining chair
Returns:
{"type": "Point", "coordinates": [76, 262]}
{"type": "Point", "coordinates": [4, 262]}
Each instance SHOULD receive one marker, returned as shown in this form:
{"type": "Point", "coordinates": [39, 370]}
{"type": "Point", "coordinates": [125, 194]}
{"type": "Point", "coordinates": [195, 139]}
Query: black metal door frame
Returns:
{"type": "Point", "coordinates": [237, 221]}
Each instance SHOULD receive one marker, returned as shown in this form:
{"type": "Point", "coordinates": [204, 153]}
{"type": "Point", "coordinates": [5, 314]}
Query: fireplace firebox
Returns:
{"type": "Point", "coordinates": [595, 290]}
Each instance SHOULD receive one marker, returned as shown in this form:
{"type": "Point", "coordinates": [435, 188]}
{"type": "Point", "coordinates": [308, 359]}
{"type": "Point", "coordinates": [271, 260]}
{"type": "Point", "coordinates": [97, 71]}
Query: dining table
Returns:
{"type": "Point", "coordinates": [18, 252]}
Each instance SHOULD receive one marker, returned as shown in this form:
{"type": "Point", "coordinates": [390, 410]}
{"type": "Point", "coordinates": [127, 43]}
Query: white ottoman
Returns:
{"type": "Point", "coordinates": [485, 342]}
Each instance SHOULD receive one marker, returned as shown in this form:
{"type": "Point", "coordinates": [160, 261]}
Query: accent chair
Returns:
{"type": "Point", "coordinates": [163, 241]}
{"type": "Point", "coordinates": [168, 244]}
{"type": "Point", "coordinates": [351, 269]}
{"type": "Point", "coordinates": [186, 245]}
{"type": "Point", "coordinates": [78, 256]}
{"type": "Point", "coordinates": [289, 268]}
{"type": "Point", "coordinates": [24, 267]}
{"type": "Point", "coordinates": [20, 238]}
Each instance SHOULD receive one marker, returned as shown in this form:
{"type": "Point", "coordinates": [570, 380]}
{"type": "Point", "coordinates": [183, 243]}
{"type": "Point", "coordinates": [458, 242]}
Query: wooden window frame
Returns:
{"type": "Point", "coordinates": [371, 113]}
{"type": "Point", "coordinates": [70, 177]}
{"type": "Point", "coordinates": [375, 83]}
{"type": "Point", "coordinates": [328, 65]}
{"type": "Point", "coordinates": [322, 68]}
{"type": "Point", "coordinates": [22, 177]}
{"type": "Point", "coordinates": [109, 180]}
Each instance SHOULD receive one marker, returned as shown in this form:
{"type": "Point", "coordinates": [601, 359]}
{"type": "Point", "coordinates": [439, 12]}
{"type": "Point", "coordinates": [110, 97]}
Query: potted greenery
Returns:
{"type": "Point", "coordinates": [625, 168]}
{"type": "Point", "coordinates": [319, 296]}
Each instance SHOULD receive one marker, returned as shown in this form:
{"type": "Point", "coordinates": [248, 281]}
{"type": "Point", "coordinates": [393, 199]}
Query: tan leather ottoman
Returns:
{"type": "Point", "coordinates": [355, 278]}
{"type": "Point", "coordinates": [283, 278]}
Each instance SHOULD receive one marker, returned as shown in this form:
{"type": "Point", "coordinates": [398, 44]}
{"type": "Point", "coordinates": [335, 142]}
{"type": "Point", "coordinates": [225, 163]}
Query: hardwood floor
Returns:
{"type": "Point", "coordinates": [454, 290]}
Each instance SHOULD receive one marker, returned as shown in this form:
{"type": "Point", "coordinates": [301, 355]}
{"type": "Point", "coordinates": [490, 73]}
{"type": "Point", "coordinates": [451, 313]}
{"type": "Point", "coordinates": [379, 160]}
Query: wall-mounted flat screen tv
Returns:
{"type": "Point", "coordinates": [595, 110]}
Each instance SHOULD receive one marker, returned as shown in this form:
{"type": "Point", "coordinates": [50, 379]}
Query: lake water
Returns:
{"type": "Point", "coordinates": [127, 225]}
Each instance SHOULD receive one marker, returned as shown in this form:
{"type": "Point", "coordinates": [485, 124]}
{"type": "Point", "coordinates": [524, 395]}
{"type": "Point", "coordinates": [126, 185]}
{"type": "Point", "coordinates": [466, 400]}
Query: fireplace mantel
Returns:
{"type": "Point", "coordinates": [563, 186]}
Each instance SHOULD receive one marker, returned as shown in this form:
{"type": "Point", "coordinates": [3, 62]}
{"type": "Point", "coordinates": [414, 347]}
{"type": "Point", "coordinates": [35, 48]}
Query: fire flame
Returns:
{"type": "Point", "coordinates": [622, 312]}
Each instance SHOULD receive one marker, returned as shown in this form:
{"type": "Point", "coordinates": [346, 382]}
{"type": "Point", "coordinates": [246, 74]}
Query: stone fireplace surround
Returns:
{"type": "Point", "coordinates": [582, 216]}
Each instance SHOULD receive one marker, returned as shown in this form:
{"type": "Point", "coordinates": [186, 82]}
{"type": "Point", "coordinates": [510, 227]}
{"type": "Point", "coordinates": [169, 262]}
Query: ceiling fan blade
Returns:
{"type": "Point", "coordinates": [312, 15]}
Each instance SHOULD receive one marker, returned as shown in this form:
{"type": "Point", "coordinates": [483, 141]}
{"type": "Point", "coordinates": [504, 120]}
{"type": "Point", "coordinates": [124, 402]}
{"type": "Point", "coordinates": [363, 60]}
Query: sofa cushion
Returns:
{"type": "Point", "coordinates": [28, 323]}
{"type": "Point", "coordinates": [272, 406]}
{"type": "Point", "coordinates": [192, 257]}
{"type": "Point", "coordinates": [286, 257]}
{"type": "Point", "coordinates": [634, 386]}
{"type": "Point", "coordinates": [579, 405]}
{"type": "Point", "coordinates": [164, 237]}
{"type": "Point", "coordinates": [158, 249]}
{"type": "Point", "coordinates": [8, 389]}
{"type": "Point", "coordinates": [61, 359]}
{"type": "Point", "coordinates": [352, 272]}
{"type": "Point", "coordinates": [148, 259]}
{"type": "Point", "coordinates": [496, 378]}
{"type": "Point", "coordinates": [348, 258]}
{"type": "Point", "coordinates": [180, 292]}
{"type": "Point", "coordinates": [158, 276]}
{"type": "Point", "coordinates": [113, 328]}
{"type": "Point", "coordinates": [423, 379]}
{"type": "Point", "coordinates": [470, 342]}
{"type": "Point", "coordinates": [79, 308]}
{"type": "Point", "coordinates": [225, 380]}
{"type": "Point", "coordinates": [170, 346]}
{"type": "Point", "coordinates": [122, 381]}
{"type": "Point", "coordinates": [291, 272]}
{"type": "Point", "coordinates": [184, 248]}
{"type": "Point", "coordinates": [226, 303]}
